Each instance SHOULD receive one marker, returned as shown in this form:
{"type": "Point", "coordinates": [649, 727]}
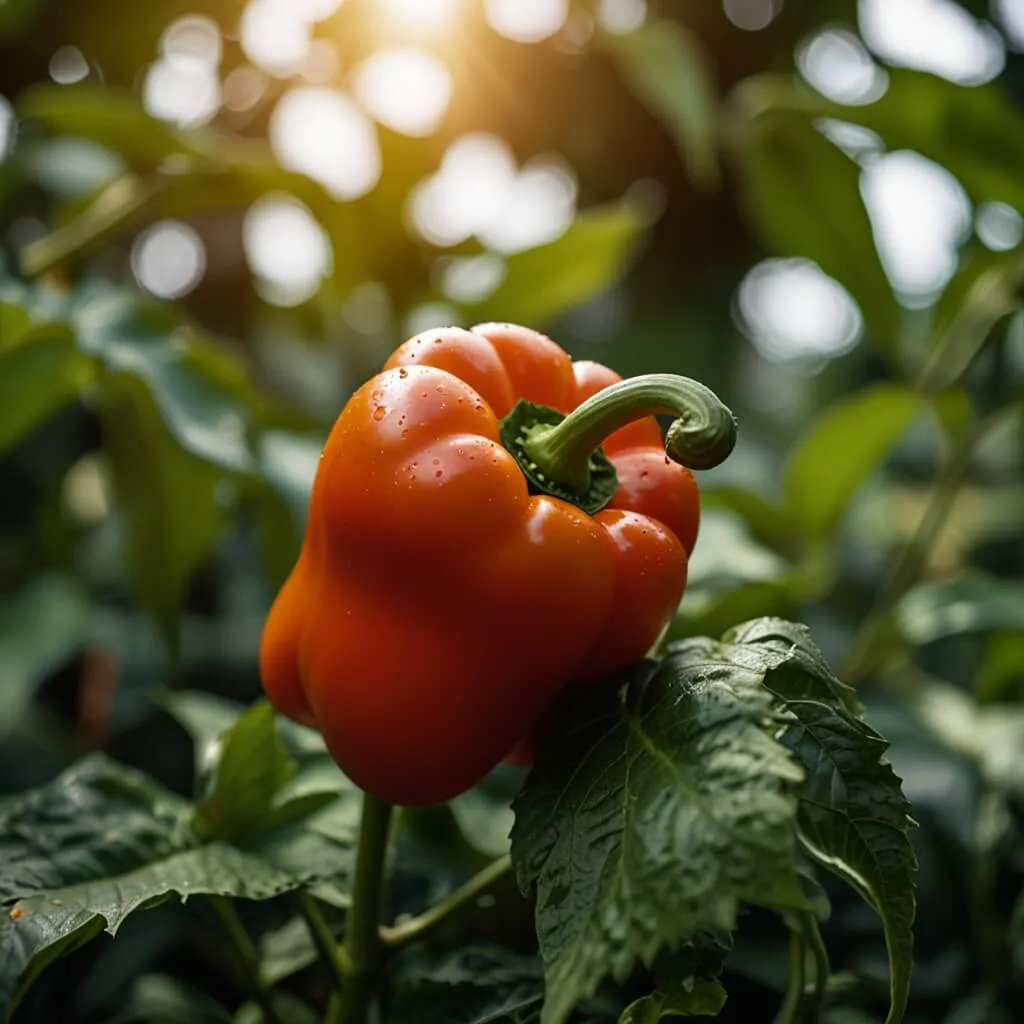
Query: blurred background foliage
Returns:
{"type": "Point", "coordinates": [216, 221]}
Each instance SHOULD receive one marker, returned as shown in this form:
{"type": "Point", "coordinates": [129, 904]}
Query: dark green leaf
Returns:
{"type": "Point", "coordinates": [472, 985]}
{"type": "Point", "coordinates": [252, 770]}
{"type": "Point", "coordinates": [205, 718]}
{"type": "Point", "coordinates": [290, 1009]}
{"type": "Point", "coordinates": [687, 983]}
{"type": "Point", "coordinates": [168, 497]}
{"type": "Point", "coordinates": [854, 818]}
{"type": "Point", "coordinates": [103, 841]}
{"type": "Point", "coordinates": [652, 818]}
{"type": "Point", "coordinates": [701, 998]}
{"type": "Point", "coordinates": [161, 999]}
{"type": "Point", "coordinates": [855, 821]}
{"type": "Point", "coordinates": [667, 67]}
{"type": "Point", "coordinates": [41, 372]}
{"type": "Point", "coordinates": [985, 291]}
{"type": "Point", "coordinates": [840, 451]}
{"type": "Point", "coordinates": [41, 625]}
{"type": "Point", "coordinates": [795, 665]}
{"type": "Point", "coordinates": [542, 283]}
{"type": "Point", "coordinates": [802, 195]}
{"type": "Point", "coordinates": [287, 950]}
{"type": "Point", "coordinates": [970, 603]}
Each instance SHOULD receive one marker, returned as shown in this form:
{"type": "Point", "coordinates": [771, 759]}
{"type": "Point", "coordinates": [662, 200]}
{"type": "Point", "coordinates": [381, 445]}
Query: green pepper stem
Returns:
{"type": "Point", "coordinates": [702, 436]}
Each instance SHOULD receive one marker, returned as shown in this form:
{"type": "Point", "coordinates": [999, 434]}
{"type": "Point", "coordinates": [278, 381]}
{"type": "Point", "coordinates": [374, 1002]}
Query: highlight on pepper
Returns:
{"type": "Point", "coordinates": [489, 524]}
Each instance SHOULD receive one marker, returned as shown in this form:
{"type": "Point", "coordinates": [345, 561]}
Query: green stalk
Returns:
{"type": "Point", "coordinates": [789, 1011]}
{"type": "Point", "coordinates": [248, 955]}
{"type": "Point", "coordinates": [360, 953]}
{"type": "Point", "coordinates": [703, 435]}
{"type": "Point", "coordinates": [465, 896]}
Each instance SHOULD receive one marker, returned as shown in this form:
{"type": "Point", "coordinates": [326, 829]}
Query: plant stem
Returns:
{"type": "Point", "coordinates": [703, 436]}
{"type": "Point", "coordinates": [822, 970]}
{"type": "Point", "coordinates": [906, 569]}
{"type": "Point", "coordinates": [248, 954]}
{"type": "Point", "coordinates": [322, 936]}
{"type": "Point", "coordinates": [465, 896]}
{"type": "Point", "coordinates": [360, 953]}
{"type": "Point", "coordinates": [790, 1009]}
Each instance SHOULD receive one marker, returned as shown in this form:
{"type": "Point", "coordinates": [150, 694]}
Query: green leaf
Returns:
{"type": "Point", "coordinates": [972, 602]}
{"type": "Point", "coordinates": [161, 999]}
{"type": "Point", "coordinates": [687, 983]}
{"type": "Point", "coordinates": [289, 1009]}
{"type": "Point", "coordinates": [473, 985]}
{"type": "Point", "coordinates": [840, 450]}
{"type": "Point", "coordinates": [853, 816]}
{"type": "Point", "coordinates": [652, 818]}
{"type": "Point", "coordinates": [985, 291]}
{"type": "Point", "coordinates": [855, 822]}
{"type": "Point", "coordinates": [766, 520]}
{"type": "Point", "coordinates": [253, 769]}
{"type": "Point", "coordinates": [202, 392]}
{"type": "Point", "coordinates": [118, 204]}
{"type": "Point", "coordinates": [794, 663]}
{"type": "Point", "coordinates": [112, 117]}
{"type": "Point", "coordinates": [41, 626]}
{"type": "Point", "coordinates": [287, 950]}
{"type": "Point", "coordinates": [543, 283]}
{"type": "Point", "coordinates": [168, 497]}
{"type": "Point", "coordinates": [666, 66]}
{"type": "Point", "coordinates": [802, 195]}
{"type": "Point", "coordinates": [206, 718]}
{"type": "Point", "coordinates": [102, 841]}
{"type": "Point", "coordinates": [16, 16]}
{"type": "Point", "coordinates": [702, 998]}
{"type": "Point", "coordinates": [15, 323]}
{"type": "Point", "coordinates": [40, 373]}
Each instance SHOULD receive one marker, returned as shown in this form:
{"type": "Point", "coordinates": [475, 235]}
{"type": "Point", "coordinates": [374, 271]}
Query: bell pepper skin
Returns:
{"type": "Point", "coordinates": [438, 609]}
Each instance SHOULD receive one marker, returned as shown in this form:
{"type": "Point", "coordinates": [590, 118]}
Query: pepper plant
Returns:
{"type": "Point", "coordinates": [345, 678]}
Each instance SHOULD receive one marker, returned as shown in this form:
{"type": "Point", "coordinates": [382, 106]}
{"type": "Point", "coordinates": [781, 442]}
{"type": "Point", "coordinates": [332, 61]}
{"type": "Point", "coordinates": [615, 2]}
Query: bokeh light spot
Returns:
{"type": "Point", "coordinates": [430, 315]}
{"type": "Point", "coordinates": [68, 65]}
{"type": "Point", "coordinates": [472, 278]}
{"type": "Point", "coordinates": [621, 17]}
{"type": "Point", "coordinates": [793, 311]}
{"type": "Point", "coordinates": [8, 126]}
{"type": "Point", "coordinates": [193, 37]}
{"type": "Point", "coordinates": [1011, 17]}
{"type": "Point", "coordinates": [526, 21]}
{"type": "Point", "coordinates": [921, 216]}
{"type": "Point", "coordinates": [275, 35]}
{"type": "Point", "coordinates": [933, 35]}
{"type": "Point", "coordinates": [168, 259]}
{"type": "Point", "coordinates": [408, 90]}
{"type": "Point", "coordinates": [539, 208]}
{"type": "Point", "coordinates": [839, 66]}
{"type": "Point", "coordinates": [186, 93]}
{"type": "Point", "coordinates": [323, 134]}
{"type": "Point", "coordinates": [752, 15]}
{"type": "Point", "coordinates": [288, 251]}
{"type": "Point", "coordinates": [479, 191]}
{"type": "Point", "coordinates": [1000, 227]}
